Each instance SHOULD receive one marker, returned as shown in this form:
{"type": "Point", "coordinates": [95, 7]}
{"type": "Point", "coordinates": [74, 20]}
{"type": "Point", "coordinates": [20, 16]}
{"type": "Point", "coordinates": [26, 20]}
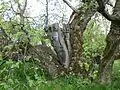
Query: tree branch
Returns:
{"type": "Point", "coordinates": [66, 63]}
{"type": "Point", "coordinates": [25, 5]}
{"type": "Point", "coordinates": [46, 17]}
{"type": "Point", "coordinates": [22, 11]}
{"type": "Point", "coordinates": [75, 10]}
{"type": "Point", "coordinates": [4, 33]}
{"type": "Point", "coordinates": [101, 9]}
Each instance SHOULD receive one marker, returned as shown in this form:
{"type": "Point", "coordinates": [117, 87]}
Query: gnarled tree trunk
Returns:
{"type": "Point", "coordinates": [112, 46]}
{"type": "Point", "coordinates": [78, 25]}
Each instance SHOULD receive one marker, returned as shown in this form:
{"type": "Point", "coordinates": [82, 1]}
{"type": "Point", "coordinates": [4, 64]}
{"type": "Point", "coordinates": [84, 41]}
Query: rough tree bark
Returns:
{"type": "Point", "coordinates": [113, 42]}
{"type": "Point", "coordinates": [78, 22]}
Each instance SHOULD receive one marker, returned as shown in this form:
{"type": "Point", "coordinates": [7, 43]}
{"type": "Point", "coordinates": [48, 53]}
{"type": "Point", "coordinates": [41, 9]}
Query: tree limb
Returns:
{"type": "Point", "coordinates": [101, 9]}
{"type": "Point", "coordinates": [25, 5]}
{"type": "Point", "coordinates": [75, 10]}
{"type": "Point", "coordinates": [22, 11]}
{"type": "Point", "coordinates": [4, 33]}
{"type": "Point", "coordinates": [66, 63]}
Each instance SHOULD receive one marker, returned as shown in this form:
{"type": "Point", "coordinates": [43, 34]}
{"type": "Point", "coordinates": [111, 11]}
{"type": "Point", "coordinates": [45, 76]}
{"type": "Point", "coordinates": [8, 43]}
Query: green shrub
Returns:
{"type": "Point", "coordinates": [28, 76]}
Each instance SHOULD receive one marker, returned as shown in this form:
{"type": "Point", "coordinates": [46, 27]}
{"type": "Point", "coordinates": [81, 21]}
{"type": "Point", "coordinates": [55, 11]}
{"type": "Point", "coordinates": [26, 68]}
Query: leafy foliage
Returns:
{"type": "Point", "coordinates": [29, 76]}
{"type": "Point", "coordinates": [94, 41]}
{"type": "Point", "coordinates": [116, 74]}
{"type": "Point", "coordinates": [21, 75]}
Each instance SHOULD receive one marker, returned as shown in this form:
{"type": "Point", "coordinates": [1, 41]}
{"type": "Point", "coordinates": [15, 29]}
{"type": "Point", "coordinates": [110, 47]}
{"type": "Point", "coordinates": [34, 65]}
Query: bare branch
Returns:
{"type": "Point", "coordinates": [74, 9]}
{"type": "Point", "coordinates": [25, 5]}
{"type": "Point", "coordinates": [22, 11]}
{"type": "Point", "coordinates": [46, 16]}
{"type": "Point", "coordinates": [17, 13]}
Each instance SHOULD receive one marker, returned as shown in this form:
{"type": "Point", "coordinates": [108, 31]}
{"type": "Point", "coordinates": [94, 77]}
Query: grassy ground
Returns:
{"type": "Point", "coordinates": [116, 75]}
{"type": "Point", "coordinates": [26, 76]}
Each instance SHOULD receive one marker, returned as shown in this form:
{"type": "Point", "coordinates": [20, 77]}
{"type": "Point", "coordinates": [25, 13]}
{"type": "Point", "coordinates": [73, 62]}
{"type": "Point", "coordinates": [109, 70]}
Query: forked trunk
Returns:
{"type": "Point", "coordinates": [112, 46]}
{"type": "Point", "coordinates": [78, 25]}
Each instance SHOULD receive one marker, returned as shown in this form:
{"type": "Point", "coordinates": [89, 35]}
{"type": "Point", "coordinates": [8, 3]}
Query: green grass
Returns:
{"type": "Point", "coordinates": [28, 76]}
{"type": "Point", "coordinates": [116, 75]}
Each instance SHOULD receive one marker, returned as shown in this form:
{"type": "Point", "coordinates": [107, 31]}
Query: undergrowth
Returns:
{"type": "Point", "coordinates": [29, 76]}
